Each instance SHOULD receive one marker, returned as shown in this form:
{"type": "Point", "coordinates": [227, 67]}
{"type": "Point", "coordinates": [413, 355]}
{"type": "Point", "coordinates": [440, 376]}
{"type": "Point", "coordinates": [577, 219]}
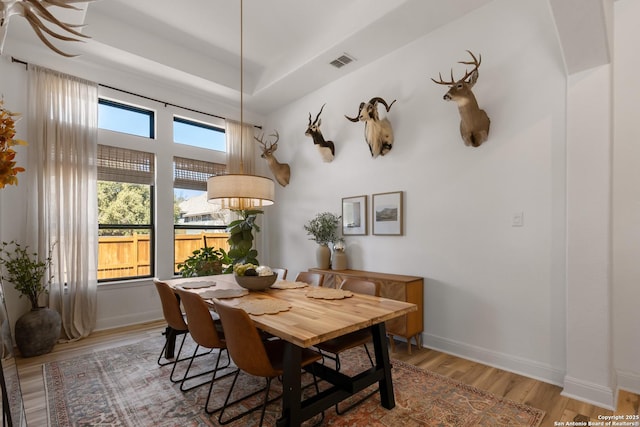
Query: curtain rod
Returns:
{"type": "Point", "coordinates": [26, 64]}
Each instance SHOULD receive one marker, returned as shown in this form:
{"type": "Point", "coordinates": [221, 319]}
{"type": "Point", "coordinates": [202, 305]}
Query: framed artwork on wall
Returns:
{"type": "Point", "coordinates": [387, 214]}
{"type": "Point", "coordinates": [354, 216]}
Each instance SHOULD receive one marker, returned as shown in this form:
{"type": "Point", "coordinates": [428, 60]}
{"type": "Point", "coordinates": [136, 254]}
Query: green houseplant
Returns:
{"type": "Point", "coordinates": [324, 230]}
{"type": "Point", "coordinates": [241, 238]}
{"type": "Point", "coordinates": [37, 331]}
{"type": "Point", "coordinates": [205, 261]}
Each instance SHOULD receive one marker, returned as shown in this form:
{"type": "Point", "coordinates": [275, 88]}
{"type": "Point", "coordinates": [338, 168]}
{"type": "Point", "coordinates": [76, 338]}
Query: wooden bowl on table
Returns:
{"type": "Point", "coordinates": [256, 283]}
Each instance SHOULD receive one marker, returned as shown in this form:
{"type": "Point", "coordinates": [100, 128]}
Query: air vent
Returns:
{"type": "Point", "coordinates": [342, 60]}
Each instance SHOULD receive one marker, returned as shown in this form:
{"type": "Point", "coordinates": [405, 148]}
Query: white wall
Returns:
{"type": "Point", "coordinates": [626, 196]}
{"type": "Point", "coordinates": [493, 292]}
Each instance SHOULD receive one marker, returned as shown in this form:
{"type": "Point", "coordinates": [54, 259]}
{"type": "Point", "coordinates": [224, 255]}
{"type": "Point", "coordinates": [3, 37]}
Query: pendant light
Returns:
{"type": "Point", "coordinates": [241, 191]}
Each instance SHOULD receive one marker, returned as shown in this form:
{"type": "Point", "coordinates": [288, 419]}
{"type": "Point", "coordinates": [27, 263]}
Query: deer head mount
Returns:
{"type": "Point", "coordinates": [377, 132]}
{"type": "Point", "coordinates": [35, 11]}
{"type": "Point", "coordinates": [326, 149]}
{"type": "Point", "coordinates": [281, 171]}
{"type": "Point", "coordinates": [474, 122]}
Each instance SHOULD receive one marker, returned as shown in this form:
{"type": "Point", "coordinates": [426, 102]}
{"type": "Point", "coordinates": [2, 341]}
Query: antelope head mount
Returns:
{"type": "Point", "coordinates": [35, 11]}
{"type": "Point", "coordinates": [474, 122]}
{"type": "Point", "coordinates": [326, 149]}
{"type": "Point", "coordinates": [377, 132]}
{"type": "Point", "coordinates": [281, 171]}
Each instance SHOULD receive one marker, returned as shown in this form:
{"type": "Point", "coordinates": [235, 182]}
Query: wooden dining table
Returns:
{"type": "Point", "coordinates": [304, 317]}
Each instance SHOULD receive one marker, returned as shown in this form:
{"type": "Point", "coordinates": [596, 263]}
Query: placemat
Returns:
{"type": "Point", "coordinates": [329, 293]}
{"type": "Point", "coordinates": [285, 284]}
{"type": "Point", "coordinates": [264, 306]}
{"type": "Point", "coordinates": [223, 293]}
{"type": "Point", "coordinates": [198, 284]}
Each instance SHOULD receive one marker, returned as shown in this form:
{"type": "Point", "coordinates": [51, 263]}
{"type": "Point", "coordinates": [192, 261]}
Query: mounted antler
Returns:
{"type": "Point", "coordinates": [474, 124]}
{"type": "Point", "coordinates": [326, 148]}
{"type": "Point", "coordinates": [281, 171]}
{"type": "Point", "coordinates": [35, 11]}
{"type": "Point", "coordinates": [377, 132]}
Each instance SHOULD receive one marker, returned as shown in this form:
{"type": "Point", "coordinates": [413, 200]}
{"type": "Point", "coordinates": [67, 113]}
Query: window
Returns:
{"type": "Point", "coordinates": [125, 213]}
{"type": "Point", "coordinates": [198, 134]}
{"type": "Point", "coordinates": [125, 118]}
{"type": "Point", "coordinates": [196, 221]}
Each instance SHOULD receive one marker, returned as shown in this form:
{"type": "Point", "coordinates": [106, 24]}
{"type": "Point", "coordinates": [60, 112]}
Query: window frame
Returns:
{"type": "Point", "coordinates": [110, 156]}
{"type": "Point", "coordinates": [199, 124]}
{"type": "Point", "coordinates": [128, 107]}
{"type": "Point", "coordinates": [164, 149]}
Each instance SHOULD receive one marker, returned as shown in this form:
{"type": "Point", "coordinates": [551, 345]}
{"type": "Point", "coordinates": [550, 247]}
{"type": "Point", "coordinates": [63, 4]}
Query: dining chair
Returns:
{"type": "Point", "coordinates": [281, 272]}
{"type": "Point", "coordinates": [254, 356]}
{"type": "Point", "coordinates": [332, 348]}
{"type": "Point", "coordinates": [205, 333]}
{"type": "Point", "coordinates": [176, 326]}
{"type": "Point", "coordinates": [310, 277]}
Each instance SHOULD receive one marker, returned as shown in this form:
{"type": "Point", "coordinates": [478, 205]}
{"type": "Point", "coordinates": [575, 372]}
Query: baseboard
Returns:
{"type": "Point", "coordinates": [629, 381]}
{"type": "Point", "coordinates": [507, 362]}
{"type": "Point", "coordinates": [595, 394]}
{"type": "Point", "coordinates": [127, 320]}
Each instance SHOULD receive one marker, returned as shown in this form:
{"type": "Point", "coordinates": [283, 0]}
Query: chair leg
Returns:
{"type": "Point", "coordinates": [186, 374]}
{"type": "Point", "coordinates": [248, 411]}
{"type": "Point", "coordinates": [175, 363]}
{"type": "Point", "coordinates": [214, 379]}
{"type": "Point", "coordinates": [170, 335]}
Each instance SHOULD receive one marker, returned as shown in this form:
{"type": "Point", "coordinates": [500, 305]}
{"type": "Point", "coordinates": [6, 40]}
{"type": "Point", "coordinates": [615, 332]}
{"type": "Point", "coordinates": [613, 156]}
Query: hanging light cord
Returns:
{"type": "Point", "coordinates": [241, 90]}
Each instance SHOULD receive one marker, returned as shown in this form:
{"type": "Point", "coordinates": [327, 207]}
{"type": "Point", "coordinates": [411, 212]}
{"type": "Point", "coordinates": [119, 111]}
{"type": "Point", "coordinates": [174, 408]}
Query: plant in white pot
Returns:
{"type": "Point", "coordinates": [38, 330]}
{"type": "Point", "coordinates": [324, 229]}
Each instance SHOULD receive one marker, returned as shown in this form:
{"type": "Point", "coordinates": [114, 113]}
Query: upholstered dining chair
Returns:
{"type": "Point", "coordinates": [332, 348]}
{"type": "Point", "coordinates": [281, 272]}
{"type": "Point", "coordinates": [176, 326]}
{"type": "Point", "coordinates": [205, 333]}
{"type": "Point", "coordinates": [310, 277]}
{"type": "Point", "coordinates": [253, 355]}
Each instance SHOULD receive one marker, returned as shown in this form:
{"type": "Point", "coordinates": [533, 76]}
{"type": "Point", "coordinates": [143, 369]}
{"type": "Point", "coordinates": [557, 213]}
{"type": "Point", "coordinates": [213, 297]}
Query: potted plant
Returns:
{"type": "Point", "coordinates": [38, 330]}
{"type": "Point", "coordinates": [241, 239]}
{"type": "Point", "coordinates": [323, 227]}
{"type": "Point", "coordinates": [206, 261]}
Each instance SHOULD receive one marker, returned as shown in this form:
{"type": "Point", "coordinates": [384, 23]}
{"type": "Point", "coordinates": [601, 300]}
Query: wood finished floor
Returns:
{"type": "Point", "coordinates": [502, 383]}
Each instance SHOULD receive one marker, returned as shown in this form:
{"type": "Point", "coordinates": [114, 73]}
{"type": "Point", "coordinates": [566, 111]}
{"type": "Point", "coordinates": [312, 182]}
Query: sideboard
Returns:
{"type": "Point", "coordinates": [392, 286]}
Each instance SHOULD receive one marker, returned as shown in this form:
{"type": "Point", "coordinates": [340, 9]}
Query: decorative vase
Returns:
{"type": "Point", "coordinates": [323, 257]}
{"type": "Point", "coordinates": [339, 260]}
{"type": "Point", "coordinates": [37, 331]}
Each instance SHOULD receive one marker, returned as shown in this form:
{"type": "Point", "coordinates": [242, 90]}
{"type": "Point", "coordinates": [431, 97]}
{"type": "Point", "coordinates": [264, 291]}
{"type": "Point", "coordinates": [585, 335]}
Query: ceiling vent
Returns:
{"type": "Point", "coordinates": [342, 60]}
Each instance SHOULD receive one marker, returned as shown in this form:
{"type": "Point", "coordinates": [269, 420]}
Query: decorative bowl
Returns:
{"type": "Point", "coordinates": [255, 283]}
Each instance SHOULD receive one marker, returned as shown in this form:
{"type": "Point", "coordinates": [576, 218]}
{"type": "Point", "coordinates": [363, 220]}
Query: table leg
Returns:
{"type": "Point", "coordinates": [291, 388]}
{"type": "Point", "coordinates": [387, 399]}
{"type": "Point", "coordinates": [170, 333]}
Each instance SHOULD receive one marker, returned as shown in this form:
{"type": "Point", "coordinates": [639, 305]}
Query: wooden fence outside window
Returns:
{"type": "Point", "coordinates": [128, 256]}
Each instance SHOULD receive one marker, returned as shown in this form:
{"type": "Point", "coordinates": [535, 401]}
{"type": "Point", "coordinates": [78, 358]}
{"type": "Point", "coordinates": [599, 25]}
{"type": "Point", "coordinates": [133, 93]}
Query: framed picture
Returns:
{"type": "Point", "coordinates": [387, 213]}
{"type": "Point", "coordinates": [354, 216]}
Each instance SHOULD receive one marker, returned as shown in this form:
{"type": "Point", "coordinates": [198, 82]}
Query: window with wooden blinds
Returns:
{"type": "Point", "coordinates": [125, 165]}
{"type": "Point", "coordinates": [193, 174]}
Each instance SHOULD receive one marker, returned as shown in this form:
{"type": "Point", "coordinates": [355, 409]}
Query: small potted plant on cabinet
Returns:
{"type": "Point", "coordinates": [38, 330]}
{"type": "Point", "coordinates": [323, 228]}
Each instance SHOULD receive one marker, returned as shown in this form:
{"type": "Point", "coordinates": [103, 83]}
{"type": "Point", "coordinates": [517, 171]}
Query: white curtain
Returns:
{"type": "Point", "coordinates": [240, 147]}
{"type": "Point", "coordinates": [62, 209]}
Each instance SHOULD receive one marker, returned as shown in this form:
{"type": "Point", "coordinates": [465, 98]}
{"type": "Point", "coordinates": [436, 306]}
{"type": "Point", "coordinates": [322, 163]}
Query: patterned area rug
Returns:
{"type": "Point", "coordinates": [125, 387]}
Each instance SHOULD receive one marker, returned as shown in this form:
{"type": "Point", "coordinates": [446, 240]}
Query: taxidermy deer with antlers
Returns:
{"type": "Point", "coordinates": [326, 148]}
{"type": "Point", "coordinates": [281, 171]}
{"type": "Point", "coordinates": [474, 123]}
{"type": "Point", "coordinates": [33, 11]}
{"type": "Point", "coordinates": [377, 132]}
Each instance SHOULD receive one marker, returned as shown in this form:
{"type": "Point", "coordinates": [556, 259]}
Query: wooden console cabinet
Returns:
{"type": "Point", "coordinates": [392, 286]}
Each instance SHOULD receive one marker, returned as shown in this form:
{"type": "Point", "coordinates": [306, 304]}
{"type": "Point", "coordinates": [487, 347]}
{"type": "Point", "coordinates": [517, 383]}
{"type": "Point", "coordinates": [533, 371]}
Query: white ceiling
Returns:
{"type": "Point", "coordinates": [288, 44]}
